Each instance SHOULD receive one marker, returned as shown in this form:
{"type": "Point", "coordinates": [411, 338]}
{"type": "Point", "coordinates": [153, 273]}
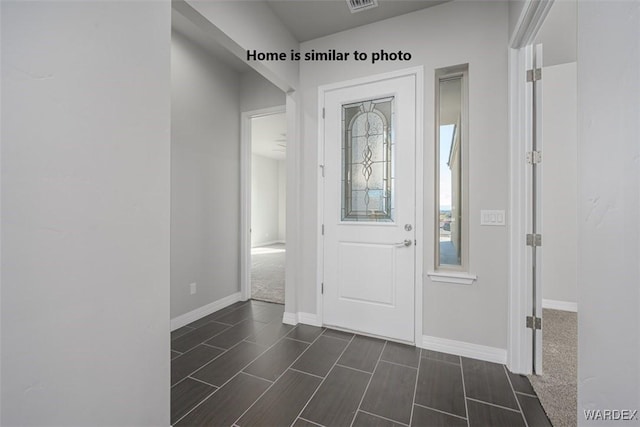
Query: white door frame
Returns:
{"type": "Point", "coordinates": [245, 194]}
{"type": "Point", "coordinates": [519, 348]}
{"type": "Point", "coordinates": [418, 73]}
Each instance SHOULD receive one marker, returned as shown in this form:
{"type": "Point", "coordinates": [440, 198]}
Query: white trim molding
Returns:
{"type": "Point", "coordinates": [304, 318]}
{"type": "Point", "coordinates": [461, 348]}
{"type": "Point", "coordinates": [530, 22]}
{"type": "Point", "coordinates": [452, 277]}
{"type": "Point", "coordinates": [270, 242]}
{"type": "Point", "coordinates": [560, 305]}
{"type": "Point", "coordinates": [199, 313]}
{"type": "Point", "coordinates": [290, 318]}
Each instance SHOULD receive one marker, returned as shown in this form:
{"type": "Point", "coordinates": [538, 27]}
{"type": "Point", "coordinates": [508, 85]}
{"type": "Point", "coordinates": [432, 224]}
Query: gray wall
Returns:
{"type": "Point", "coordinates": [476, 313]}
{"type": "Point", "coordinates": [560, 187]}
{"type": "Point", "coordinates": [257, 93]}
{"type": "Point", "coordinates": [247, 25]}
{"type": "Point", "coordinates": [205, 177]}
{"type": "Point", "coordinates": [85, 213]}
{"type": "Point", "coordinates": [282, 200]}
{"type": "Point", "coordinates": [608, 206]}
{"type": "Point", "coordinates": [265, 203]}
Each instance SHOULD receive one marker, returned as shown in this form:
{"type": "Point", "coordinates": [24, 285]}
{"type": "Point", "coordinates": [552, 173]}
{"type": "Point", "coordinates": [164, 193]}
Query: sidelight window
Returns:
{"type": "Point", "coordinates": [451, 168]}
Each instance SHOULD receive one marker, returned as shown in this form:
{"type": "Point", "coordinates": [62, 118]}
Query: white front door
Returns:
{"type": "Point", "coordinates": [370, 207]}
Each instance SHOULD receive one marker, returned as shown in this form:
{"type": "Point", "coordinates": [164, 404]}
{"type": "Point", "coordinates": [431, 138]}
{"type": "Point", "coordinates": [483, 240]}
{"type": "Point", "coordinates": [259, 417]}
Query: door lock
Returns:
{"type": "Point", "coordinates": [408, 227]}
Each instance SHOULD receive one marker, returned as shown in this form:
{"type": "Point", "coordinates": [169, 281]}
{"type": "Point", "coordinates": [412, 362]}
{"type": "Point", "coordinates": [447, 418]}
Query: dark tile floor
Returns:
{"type": "Point", "coordinates": [241, 366]}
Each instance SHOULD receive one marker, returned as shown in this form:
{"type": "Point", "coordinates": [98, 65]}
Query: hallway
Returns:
{"type": "Point", "coordinates": [242, 366]}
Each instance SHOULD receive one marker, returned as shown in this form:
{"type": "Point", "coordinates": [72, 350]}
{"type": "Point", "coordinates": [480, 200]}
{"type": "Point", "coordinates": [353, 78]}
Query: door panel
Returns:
{"type": "Point", "coordinates": [369, 197]}
{"type": "Point", "coordinates": [358, 281]}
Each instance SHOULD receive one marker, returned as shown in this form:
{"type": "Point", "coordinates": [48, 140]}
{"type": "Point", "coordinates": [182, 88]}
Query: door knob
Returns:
{"type": "Point", "coordinates": [406, 242]}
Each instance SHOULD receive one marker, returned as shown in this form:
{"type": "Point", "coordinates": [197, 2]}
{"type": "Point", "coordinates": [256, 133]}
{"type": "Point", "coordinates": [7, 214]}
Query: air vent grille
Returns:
{"type": "Point", "coordinates": [360, 5]}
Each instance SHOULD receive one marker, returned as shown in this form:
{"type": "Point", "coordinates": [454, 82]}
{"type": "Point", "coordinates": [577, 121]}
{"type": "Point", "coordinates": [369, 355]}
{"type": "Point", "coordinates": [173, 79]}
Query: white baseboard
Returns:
{"type": "Point", "coordinates": [304, 318]}
{"type": "Point", "coordinates": [290, 318]}
{"type": "Point", "coordinates": [270, 242]}
{"type": "Point", "coordinates": [309, 319]}
{"type": "Point", "coordinates": [199, 313]}
{"type": "Point", "coordinates": [560, 305]}
{"type": "Point", "coordinates": [461, 348]}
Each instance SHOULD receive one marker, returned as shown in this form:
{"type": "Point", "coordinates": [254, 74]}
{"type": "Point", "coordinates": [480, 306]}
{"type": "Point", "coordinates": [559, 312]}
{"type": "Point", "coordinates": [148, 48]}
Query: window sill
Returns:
{"type": "Point", "coordinates": [452, 277]}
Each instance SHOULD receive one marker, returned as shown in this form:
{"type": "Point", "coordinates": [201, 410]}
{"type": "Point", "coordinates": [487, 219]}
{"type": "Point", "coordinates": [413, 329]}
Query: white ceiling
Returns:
{"type": "Point", "coordinates": [310, 19]}
{"type": "Point", "coordinates": [269, 136]}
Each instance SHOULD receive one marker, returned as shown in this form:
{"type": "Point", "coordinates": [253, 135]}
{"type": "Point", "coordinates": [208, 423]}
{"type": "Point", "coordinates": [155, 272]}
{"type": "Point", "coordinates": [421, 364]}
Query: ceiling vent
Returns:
{"type": "Point", "coordinates": [360, 5]}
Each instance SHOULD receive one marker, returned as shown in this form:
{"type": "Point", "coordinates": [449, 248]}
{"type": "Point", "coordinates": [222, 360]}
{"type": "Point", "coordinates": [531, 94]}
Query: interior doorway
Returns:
{"type": "Point", "coordinates": [268, 206]}
{"type": "Point", "coordinates": [266, 178]}
{"type": "Point", "coordinates": [545, 91]}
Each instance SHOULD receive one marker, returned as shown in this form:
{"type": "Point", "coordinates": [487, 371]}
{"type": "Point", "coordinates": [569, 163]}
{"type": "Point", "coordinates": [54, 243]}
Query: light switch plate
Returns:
{"type": "Point", "coordinates": [492, 217]}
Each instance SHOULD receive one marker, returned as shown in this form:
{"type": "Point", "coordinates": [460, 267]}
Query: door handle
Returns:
{"type": "Point", "coordinates": [406, 242]}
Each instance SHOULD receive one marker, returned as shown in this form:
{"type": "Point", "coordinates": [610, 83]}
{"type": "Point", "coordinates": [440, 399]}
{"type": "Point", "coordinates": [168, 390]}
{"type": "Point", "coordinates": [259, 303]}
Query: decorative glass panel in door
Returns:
{"type": "Point", "coordinates": [367, 168]}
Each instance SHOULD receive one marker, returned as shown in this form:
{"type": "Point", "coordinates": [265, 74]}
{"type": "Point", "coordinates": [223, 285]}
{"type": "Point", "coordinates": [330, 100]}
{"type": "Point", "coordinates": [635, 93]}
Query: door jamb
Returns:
{"type": "Point", "coordinates": [245, 194]}
{"type": "Point", "coordinates": [519, 349]}
{"type": "Point", "coordinates": [418, 73]}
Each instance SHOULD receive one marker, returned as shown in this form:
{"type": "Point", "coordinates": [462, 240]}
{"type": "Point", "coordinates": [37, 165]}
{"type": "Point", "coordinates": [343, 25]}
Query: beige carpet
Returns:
{"type": "Point", "coordinates": [267, 273]}
{"type": "Point", "coordinates": [557, 386]}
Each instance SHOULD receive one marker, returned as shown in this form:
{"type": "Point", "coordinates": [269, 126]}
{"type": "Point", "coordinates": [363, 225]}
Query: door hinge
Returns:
{"type": "Point", "coordinates": [534, 239]}
{"type": "Point", "coordinates": [323, 229]}
{"type": "Point", "coordinates": [322, 168]}
{"type": "Point", "coordinates": [322, 288]}
{"type": "Point", "coordinates": [534, 75]}
{"type": "Point", "coordinates": [534, 321]}
{"type": "Point", "coordinates": [534, 157]}
{"type": "Point", "coordinates": [323, 112]}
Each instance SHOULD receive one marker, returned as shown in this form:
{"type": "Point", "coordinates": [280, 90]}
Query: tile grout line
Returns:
{"type": "Point", "coordinates": [325, 377]}
{"type": "Point", "coordinates": [380, 416]}
{"type": "Point", "coordinates": [353, 369]}
{"type": "Point", "coordinates": [309, 421]}
{"type": "Point", "coordinates": [200, 381]}
{"type": "Point", "coordinates": [493, 404]}
{"type": "Point", "coordinates": [439, 410]}
{"type": "Point", "coordinates": [415, 389]}
{"type": "Point", "coordinates": [522, 393]}
{"type": "Point", "coordinates": [206, 339]}
{"type": "Point", "coordinates": [214, 346]}
{"type": "Point", "coordinates": [515, 396]}
{"type": "Point", "coordinates": [199, 403]}
{"type": "Point", "coordinates": [336, 338]}
{"type": "Point", "coordinates": [255, 376]}
{"type": "Point", "coordinates": [218, 356]}
{"type": "Point", "coordinates": [443, 361]}
{"type": "Point", "coordinates": [197, 369]}
{"type": "Point", "coordinates": [464, 392]}
{"type": "Point", "coordinates": [400, 364]}
{"type": "Point", "coordinates": [276, 380]}
{"type": "Point", "coordinates": [248, 302]}
{"type": "Point", "coordinates": [306, 342]}
{"type": "Point", "coordinates": [368, 384]}
{"type": "Point", "coordinates": [232, 378]}
{"type": "Point", "coordinates": [303, 372]}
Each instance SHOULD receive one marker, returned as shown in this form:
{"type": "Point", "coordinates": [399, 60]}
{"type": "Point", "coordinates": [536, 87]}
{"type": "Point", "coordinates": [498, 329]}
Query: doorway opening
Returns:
{"type": "Point", "coordinates": [268, 180]}
{"type": "Point", "coordinates": [546, 266]}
